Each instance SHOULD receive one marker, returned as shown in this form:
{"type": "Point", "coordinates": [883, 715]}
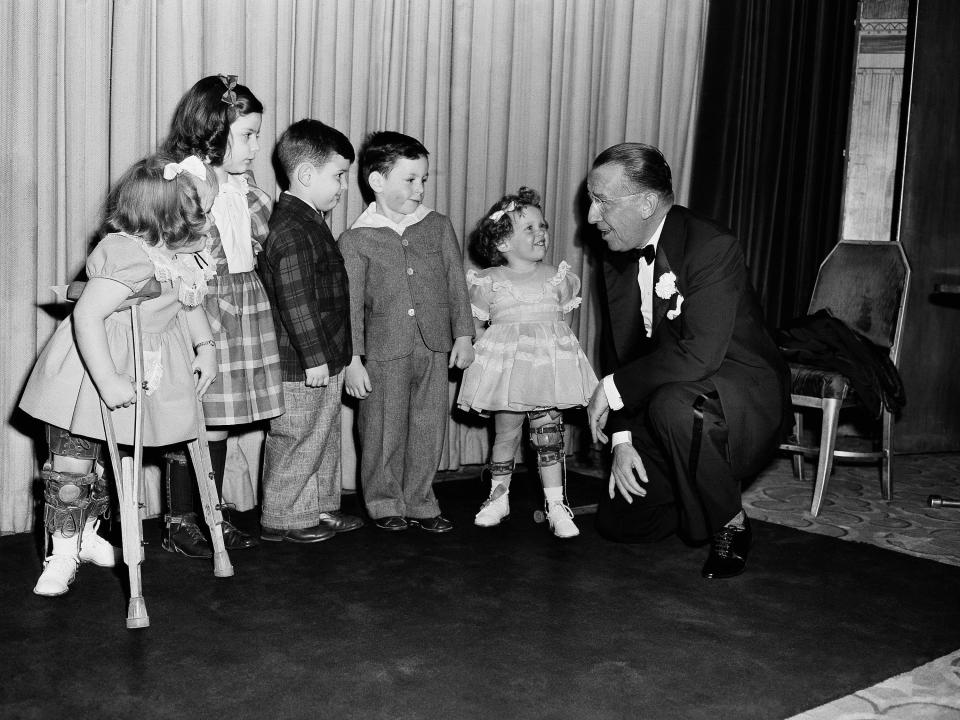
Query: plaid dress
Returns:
{"type": "Point", "coordinates": [248, 385]}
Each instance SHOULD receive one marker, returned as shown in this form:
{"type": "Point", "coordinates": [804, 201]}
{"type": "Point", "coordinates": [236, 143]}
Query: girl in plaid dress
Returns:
{"type": "Point", "coordinates": [219, 121]}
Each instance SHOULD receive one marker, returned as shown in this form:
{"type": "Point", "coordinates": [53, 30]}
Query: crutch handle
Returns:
{"type": "Point", "coordinates": [150, 290]}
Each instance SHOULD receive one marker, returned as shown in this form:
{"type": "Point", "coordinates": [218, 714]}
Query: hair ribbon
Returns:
{"type": "Point", "coordinates": [229, 97]}
{"type": "Point", "coordinates": [191, 164]}
{"type": "Point", "coordinates": [495, 216]}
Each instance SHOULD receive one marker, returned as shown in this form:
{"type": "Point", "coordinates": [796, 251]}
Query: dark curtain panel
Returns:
{"type": "Point", "coordinates": [768, 158]}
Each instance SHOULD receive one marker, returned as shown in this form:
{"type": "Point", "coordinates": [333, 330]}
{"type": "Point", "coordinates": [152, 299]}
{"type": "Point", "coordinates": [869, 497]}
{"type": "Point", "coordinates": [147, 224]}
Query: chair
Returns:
{"type": "Point", "coordinates": [865, 285]}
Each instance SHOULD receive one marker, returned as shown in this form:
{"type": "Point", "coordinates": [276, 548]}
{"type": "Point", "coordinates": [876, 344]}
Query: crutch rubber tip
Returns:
{"type": "Point", "coordinates": [221, 565]}
{"type": "Point", "coordinates": [137, 614]}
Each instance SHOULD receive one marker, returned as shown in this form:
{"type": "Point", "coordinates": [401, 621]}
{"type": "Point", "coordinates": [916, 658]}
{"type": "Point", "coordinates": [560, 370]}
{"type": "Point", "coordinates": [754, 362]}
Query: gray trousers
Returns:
{"type": "Point", "coordinates": [402, 426]}
{"type": "Point", "coordinates": [301, 464]}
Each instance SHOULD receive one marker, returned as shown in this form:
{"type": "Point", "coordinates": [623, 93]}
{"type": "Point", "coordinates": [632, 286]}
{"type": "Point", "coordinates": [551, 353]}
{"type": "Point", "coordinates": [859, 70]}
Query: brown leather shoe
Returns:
{"type": "Point", "coordinates": [340, 522]}
{"type": "Point", "coordinates": [297, 535]}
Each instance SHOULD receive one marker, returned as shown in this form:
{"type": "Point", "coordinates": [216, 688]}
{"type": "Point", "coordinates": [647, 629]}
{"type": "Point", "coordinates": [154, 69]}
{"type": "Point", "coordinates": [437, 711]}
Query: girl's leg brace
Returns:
{"type": "Point", "coordinates": [70, 498]}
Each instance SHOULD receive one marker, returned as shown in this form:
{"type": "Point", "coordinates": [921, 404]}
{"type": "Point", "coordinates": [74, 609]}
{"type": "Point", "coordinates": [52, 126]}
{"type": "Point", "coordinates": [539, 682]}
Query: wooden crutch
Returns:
{"type": "Point", "coordinates": [128, 472]}
{"type": "Point", "coordinates": [209, 498]}
{"type": "Point", "coordinates": [128, 476]}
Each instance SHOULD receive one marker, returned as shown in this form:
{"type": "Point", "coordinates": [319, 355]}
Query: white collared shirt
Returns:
{"type": "Point", "coordinates": [645, 281]}
{"type": "Point", "coordinates": [372, 218]}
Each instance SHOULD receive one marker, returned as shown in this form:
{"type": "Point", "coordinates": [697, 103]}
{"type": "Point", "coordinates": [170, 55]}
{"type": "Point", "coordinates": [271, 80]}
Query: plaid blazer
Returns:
{"type": "Point", "coordinates": [304, 275]}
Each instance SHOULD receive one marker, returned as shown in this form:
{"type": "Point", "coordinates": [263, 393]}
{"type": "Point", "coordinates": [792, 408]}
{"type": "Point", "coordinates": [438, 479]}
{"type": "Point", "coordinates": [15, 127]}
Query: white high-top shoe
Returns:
{"type": "Point", "coordinates": [60, 568]}
{"type": "Point", "coordinates": [94, 549]}
{"type": "Point", "coordinates": [495, 509]}
{"type": "Point", "coordinates": [560, 518]}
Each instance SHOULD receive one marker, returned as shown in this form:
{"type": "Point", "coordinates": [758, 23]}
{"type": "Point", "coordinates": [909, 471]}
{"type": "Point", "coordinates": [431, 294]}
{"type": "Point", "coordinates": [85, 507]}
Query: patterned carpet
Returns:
{"type": "Point", "coordinates": [853, 510]}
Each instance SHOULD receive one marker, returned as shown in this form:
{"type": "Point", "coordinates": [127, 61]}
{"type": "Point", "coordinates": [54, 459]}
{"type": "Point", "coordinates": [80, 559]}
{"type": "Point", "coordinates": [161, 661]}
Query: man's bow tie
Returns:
{"type": "Point", "coordinates": [647, 252]}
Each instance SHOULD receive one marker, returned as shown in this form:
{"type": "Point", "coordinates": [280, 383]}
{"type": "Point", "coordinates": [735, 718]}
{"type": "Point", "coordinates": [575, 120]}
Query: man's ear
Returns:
{"type": "Point", "coordinates": [375, 180]}
{"type": "Point", "coordinates": [304, 173]}
{"type": "Point", "coordinates": [648, 204]}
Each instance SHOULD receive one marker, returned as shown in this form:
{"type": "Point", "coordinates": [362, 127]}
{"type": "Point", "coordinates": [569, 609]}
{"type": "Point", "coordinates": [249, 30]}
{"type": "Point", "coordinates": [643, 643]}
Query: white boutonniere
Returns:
{"type": "Point", "coordinates": [666, 289]}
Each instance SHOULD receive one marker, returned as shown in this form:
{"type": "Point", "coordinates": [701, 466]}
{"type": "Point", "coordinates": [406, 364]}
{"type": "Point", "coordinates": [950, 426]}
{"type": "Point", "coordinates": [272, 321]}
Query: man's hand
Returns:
{"type": "Point", "coordinates": [462, 354]}
{"type": "Point", "coordinates": [626, 470]}
{"type": "Point", "coordinates": [597, 411]}
{"type": "Point", "coordinates": [357, 379]}
{"type": "Point", "coordinates": [317, 376]}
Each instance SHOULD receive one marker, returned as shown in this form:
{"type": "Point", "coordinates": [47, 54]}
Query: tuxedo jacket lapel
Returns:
{"type": "Point", "coordinates": [625, 312]}
{"type": "Point", "coordinates": [660, 266]}
{"type": "Point", "coordinates": [671, 245]}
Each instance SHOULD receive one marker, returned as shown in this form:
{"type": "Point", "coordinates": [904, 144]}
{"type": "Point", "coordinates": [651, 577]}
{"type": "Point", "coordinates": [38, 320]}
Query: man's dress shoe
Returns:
{"type": "Point", "coordinates": [728, 551]}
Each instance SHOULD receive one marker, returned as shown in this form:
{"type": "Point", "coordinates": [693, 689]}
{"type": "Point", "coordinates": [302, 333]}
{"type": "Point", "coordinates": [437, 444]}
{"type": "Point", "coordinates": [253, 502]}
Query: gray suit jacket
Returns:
{"type": "Point", "coordinates": [405, 286]}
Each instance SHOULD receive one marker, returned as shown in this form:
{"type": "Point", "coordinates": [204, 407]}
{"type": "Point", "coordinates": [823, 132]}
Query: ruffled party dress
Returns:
{"type": "Point", "coordinates": [528, 358]}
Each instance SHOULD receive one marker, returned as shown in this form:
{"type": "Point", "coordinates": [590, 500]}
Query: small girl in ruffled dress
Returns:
{"type": "Point", "coordinates": [157, 222]}
{"type": "Point", "coordinates": [528, 363]}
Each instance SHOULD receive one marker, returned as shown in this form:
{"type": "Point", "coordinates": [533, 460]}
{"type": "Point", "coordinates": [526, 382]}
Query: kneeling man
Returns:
{"type": "Point", "coordinates": [700, 394]}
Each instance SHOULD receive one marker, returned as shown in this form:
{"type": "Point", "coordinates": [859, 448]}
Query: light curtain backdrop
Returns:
{"type": "Point", "coordinates": [502, 93]}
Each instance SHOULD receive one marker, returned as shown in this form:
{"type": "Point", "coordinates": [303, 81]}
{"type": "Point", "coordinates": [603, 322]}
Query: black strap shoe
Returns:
{"type": "Point", "coordinates": [728, 551]}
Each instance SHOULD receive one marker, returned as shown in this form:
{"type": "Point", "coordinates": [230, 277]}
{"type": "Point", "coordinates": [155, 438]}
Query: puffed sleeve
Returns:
{"type": "Point", "coordinates": [569, 286]}
{"type": "Point", "coordinates": [480, 289]}
{"type": "Point", "coordinates": [120, 258]}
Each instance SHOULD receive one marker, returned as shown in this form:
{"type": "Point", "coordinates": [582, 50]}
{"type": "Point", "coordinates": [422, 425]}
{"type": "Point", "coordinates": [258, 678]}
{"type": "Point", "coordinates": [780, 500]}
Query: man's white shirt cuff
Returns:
{"type": "Point", "coordinates": [618, 438]}
{"type": "Point", "coordinates": [613, 395]}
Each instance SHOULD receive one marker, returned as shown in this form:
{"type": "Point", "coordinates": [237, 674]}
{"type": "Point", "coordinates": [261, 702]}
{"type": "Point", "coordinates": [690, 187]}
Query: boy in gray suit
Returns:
{"type": "Point", "coordinates": [411, 323]}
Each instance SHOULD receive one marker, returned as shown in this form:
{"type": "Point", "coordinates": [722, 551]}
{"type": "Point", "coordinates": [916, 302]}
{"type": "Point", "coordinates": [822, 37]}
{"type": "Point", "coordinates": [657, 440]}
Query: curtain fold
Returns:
{"type": "Point", "coordinates": [502, 94]}
{"type": "Point", "coordinates": [771, 134]}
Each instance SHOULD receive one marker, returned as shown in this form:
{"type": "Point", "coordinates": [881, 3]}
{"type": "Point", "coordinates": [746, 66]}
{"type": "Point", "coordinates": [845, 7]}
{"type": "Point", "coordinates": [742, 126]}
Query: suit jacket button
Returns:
{"type": "Point", "coordinates": [411, 312]}
{"type": "Point", "coordinates": [409, 271]}
{"type": "Point", "coordinates": [404, 242]}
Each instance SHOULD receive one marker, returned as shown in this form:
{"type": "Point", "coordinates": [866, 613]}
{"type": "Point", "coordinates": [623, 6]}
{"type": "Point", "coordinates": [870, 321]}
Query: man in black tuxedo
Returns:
{"type": "Point", "coordinates": [699, 393]}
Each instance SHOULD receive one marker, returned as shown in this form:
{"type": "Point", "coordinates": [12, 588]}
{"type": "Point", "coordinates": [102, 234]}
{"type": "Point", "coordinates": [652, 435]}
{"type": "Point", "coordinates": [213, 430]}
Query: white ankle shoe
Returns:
{"type": "Point", "coordinates": [494, 510]}
{"type": "Point", "coordinates": [58, 572]}
{"type": "Point", "coordinates": [94, 549]}
{"type": "Point", "coordinates": [561, 522]}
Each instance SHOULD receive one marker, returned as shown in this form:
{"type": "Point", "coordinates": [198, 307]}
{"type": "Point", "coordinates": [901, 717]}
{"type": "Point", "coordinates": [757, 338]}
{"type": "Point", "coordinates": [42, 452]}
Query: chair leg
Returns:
{"type": "Point", "coordinates": [886, 467]}
{"type": "Point", "coordinates": [828, 441]}
{"type": "Point", "coordinates": [798, 457]}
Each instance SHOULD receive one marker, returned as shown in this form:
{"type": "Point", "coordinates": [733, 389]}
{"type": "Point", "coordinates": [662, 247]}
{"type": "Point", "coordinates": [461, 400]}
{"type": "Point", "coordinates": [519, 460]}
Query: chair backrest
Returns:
{"type": "Point", "coordinates": [865, 283]}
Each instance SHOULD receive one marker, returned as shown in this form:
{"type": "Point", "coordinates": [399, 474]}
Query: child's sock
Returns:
{"type": "Point", "coordinates": [553, 495]}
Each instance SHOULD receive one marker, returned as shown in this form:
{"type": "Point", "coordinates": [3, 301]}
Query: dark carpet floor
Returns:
{"type": "Point", "coordinates": [498, 623]}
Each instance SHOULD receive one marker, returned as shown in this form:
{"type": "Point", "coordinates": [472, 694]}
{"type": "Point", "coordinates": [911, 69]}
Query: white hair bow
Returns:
{"type": "Point", "coordinates": [191, 164]}
{"type": "Point", "coordinates": [499, 213]}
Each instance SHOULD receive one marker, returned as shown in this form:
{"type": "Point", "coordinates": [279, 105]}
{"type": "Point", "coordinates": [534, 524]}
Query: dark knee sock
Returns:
{"type": "Point", "coordinates": [179, 481]}
{"type": "Point", "coordinates": [218, 459]}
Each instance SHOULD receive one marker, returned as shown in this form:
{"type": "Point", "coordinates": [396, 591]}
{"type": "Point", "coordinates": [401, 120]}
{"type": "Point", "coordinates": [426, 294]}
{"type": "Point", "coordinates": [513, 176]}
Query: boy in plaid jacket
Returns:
{"type": "Point", "coordinates": [305, 278]}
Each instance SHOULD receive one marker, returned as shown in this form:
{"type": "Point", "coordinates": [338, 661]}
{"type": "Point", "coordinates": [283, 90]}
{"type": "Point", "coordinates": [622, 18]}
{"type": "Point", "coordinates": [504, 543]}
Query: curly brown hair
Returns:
{"type": "Point", "coordinates": [162, 212]}
{"type": "Point", "coordinates": [491, 232]}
